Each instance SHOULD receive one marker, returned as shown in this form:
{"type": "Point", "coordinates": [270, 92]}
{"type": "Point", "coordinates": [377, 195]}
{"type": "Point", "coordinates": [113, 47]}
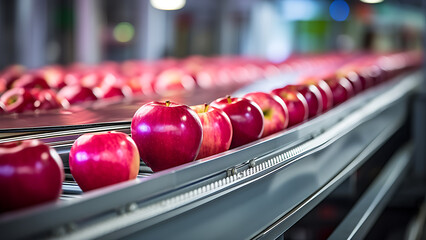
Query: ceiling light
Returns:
{"type": "Point", "coordinates": [371, 1]}
{"type": "Point", "coordinates": [168, 4]}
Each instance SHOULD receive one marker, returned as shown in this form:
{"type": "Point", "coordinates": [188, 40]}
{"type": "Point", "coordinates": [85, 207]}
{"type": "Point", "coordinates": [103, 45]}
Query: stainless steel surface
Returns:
{"type": "Point", "coordinates": [101, 113]}
{"type": "Point", "coordinates": [294, 215]}
{"type": "Point", "coordinates": [419, 118]}
{"type": "Point", "coordinates": [365, 212]}
{"type": "Point", "coordinates": [289, 167]}
{"type": "Point", "coordinates": [416, 229]}
{"type": "Point", "coordinates": [58, 137]}
{"type": "Point", "coordinates": [419, 135]}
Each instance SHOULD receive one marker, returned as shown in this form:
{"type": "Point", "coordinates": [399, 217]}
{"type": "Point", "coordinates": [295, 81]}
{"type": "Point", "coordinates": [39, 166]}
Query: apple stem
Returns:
{"type": "Point", "coordinates": [229, 99]}
{"type": "Point", "coordinates": [167, 103]}
{"type": "Point", "coordinates": [12, 100]}
{"type": "Point", "coordinates": [206, 107]}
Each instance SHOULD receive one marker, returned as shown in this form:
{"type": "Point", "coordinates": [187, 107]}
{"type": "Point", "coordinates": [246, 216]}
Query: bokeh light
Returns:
{"type": "Point", "coordinates": [124, 32]}
{"type": "Point", "coordinates": [339, 10]}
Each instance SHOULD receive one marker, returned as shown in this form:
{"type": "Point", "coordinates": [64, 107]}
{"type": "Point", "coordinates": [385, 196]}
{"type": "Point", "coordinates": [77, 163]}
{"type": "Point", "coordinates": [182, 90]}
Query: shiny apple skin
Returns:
{"type": "Point", "coordinates": [46, 98]}
{"type": "Point", "coordinates": [297, 106]}
{"type": "Point", "coordinates": [113, 92]}
{"type": "Point", "coordinates": [341, 88]}
{"type": "Point", "coordinates": [2, 108]}
{"type": "Point", "coordinates": [312, 96]}
{"type": "Point", "coordinates": [326, 94]}
{"type": "Point", "coordinates": [166, 136]}
{"type": "Point", "coordinates": [76, 94]}
{"type": "Point", "coordinates": [173, 80]}
{"type": "Point", "coordinates": [54, 76]}
{"type": "Point", "coordinates": [217, 131]}
{"type": "Point", "coordinates": [108, 92]}
{"type": "Point", "coordinates": [246, 119]}
{"type": "Point", "coordinates": [18, 100]}
{"type": "Point", "coordinates": [275, 112]}
{"type": "Point", "coordinates": [29, 81]}
{"type": "Point", "coordinates": [11, 74]}
{"type": "Point", "coordinates": [376, 74]}
{"type": "Point", "coordinates": [366, 81]}
{"type": "Point", "coordinates": [355, 81]}
{"type": "Point", "coordinates": [31, 173]}
{"type": "Point", "coordinates": [101, 159]}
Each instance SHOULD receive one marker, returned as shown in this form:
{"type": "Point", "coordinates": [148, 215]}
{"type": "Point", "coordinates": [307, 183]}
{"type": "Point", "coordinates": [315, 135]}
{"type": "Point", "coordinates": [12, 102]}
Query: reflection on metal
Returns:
{"type": "Point", "coordinates": [419, 134]}
{"type": "Point", "coordinates": [417, 225]}
{"type": "Point", "coordinates": [365, 212]}
{"type": "Point", "coordinates": [309, 203]}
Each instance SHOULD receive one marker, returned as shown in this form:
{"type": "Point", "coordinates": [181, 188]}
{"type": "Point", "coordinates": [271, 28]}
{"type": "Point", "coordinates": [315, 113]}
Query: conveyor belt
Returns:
{"type": "Point", "coordinates": [264, 180]}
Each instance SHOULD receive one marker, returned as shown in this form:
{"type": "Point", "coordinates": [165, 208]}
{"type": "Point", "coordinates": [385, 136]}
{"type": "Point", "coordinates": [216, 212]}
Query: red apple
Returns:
{"type": "Point", "coordinates": [239, 74]}
{"type": "Point", "coordinates": [355, 81]}
{"type": "Point", "coordinates": [54, 76]}
{"type": "Point", "coordinates": [389, 66]}
{"type": "Point", "coordinates": [18, 100]}
{"type": "Point", "coordinates": [207, 77]}
{"type": "Point", "coordinates": [90, 79]}
{"type": "Point", "coordinates": [341, 88]}
{"type": "Point", "coordinates": [31, 173]}
{"type": "Point", "coordinates": [173, 80]}
{"type": "Point", "coordinates": [217, 130]}
{"type": "Point", "coordinates": [101, 159]}
{"type": "Point", "coordinates": [30, 81]}
{"type": "Point", "coordinates": [167, 134]}
{"type": "Point", "coordinates": [76, 94]}
{"type": "Point", "coordinates": [9, 75]}
{"type": "Point", "coordinates": [2, 84]}
{"type": "Point", "coordinates": [326, 94]}
{"type": "Point", "coordinates": [146, 80]}
{"type": "Point", "coordinates": [46, 99]}
{"type": "Point", "coordinates": [134, 85]}
{"type": "Point", "coordinates": [297, 106]}
{"type": "Point", "coordinates": [108, 91]}
{"type": "Point", "coordinates": [312, 96]}
{"type": "Point", "coordinates": [2, 108]}
{"type": "Point", "coordinates": [246, 119]}
{"type": "Point", "coordinates": [275, 112]}
{"type": "Point", "coordinates": [366, 80]}
{"type": "Point", "coordinates": [72, 78]}
{"type": "Point", "coordinates": [192, 65]}
{"type": "Point", "coordinates": [376, 74]}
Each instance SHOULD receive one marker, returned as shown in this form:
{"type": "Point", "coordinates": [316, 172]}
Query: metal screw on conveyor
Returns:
{"type": "Point", "coordinates": [130, 207]}
{"type": "Point", "coordinates": [231, 171]}
{"type": "Point", "coordinates": [64, 229]}
{"type": "Point", "coordinates": [252, 163]}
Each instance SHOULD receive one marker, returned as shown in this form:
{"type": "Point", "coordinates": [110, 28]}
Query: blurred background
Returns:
{"type": "Point", "coordinates": [35, 33]}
